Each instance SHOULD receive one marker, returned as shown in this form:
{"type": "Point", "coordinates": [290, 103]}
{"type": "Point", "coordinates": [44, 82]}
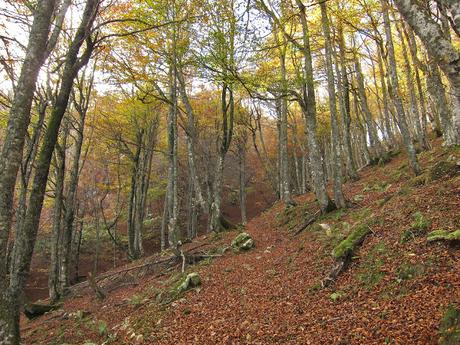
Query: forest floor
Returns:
{"type": "Point", "coordinates": [395, 291]}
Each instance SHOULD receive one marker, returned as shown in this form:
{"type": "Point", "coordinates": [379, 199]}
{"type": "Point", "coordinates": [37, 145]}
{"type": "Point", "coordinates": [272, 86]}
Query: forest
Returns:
{"type": "Point", "coordinates": [229, 172]}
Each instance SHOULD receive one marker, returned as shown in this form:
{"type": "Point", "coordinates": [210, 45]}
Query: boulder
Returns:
{"type": "Point", "coordinates": [189, 281]}
{"type": "Point", "coordinates": [243, 241]}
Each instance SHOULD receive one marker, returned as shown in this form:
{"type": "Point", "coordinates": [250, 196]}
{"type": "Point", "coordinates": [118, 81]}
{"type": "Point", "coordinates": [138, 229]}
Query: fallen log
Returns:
{"type": "Point", "coordinates": [301, 227]}
{"type": "Point", "coordinates": [34, 310]}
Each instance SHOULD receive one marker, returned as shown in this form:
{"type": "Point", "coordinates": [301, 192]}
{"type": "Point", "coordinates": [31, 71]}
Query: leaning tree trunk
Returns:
{"type": "Point", "coordinates": [191, 138]}
{"type": "Point", "coordinates": [13, 144]}
{"type": "Point", "coordinates": [402, 121]}
{"type": "Point", "coordinates": [412, 95]}
{"type": "Point", "coordinates": [439, 47]}
{"type": "Point", "coordinates": [440, 103]}
{"type": "Point", "coordinates": [26, 236]}
{"type": "Point", "coordinates": [418, 66]}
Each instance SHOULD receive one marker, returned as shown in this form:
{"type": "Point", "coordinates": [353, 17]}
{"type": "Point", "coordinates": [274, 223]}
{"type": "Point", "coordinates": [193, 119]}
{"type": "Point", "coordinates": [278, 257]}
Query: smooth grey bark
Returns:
{"type": "Point", "coordinates": [242, 177]}
{"type": "Point", "coordinates": [134, 249]}
{"type": "Point", "coordinates": [284, 179]}
{"type": "Point", "coordinates": [440, 103]}
{"type": "Point", "coordinates": [417, 67]}
{"type": "Point", "coordinates": [375, 147]}
{"type": "Point", "coordinates": [344, 106]}
{"type": "Point", "coordinates": [385, 99]}
{"type": "Point", "coordinates": [228, 115]}
{"type": "Point", "coordinates": [26, 236]}
{"type": "Point", "coordinates": [308, 105]}
{"type": "Point", "coordinates": [13, 144]}
{"type": "Point", "coordinates": [81, 104]}
{"type": "Point", "coordinates": [414, 108]}
{"type": "Point", "coordinates": [402, 121]}
{"type": "Point", "coordinates": [173, 202]}
{"type": "Point", "coordinates": [30, 156]}
{"type": "Point", "coordinates": [141, 160]}
{"type": "Point", "coordinates": [336, 156]}
{"type": "Point", "coordinates": [60, 166]}
{"type": "Point", "coordinates": [440, 48]}
{"type": "Point", "coordinates": [191, 138]}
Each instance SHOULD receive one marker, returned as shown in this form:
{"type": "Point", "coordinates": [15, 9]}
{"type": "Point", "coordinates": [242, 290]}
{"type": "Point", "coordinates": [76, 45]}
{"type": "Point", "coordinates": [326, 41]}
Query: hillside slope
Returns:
{"type": "Point", "coordinates": [396, 289]}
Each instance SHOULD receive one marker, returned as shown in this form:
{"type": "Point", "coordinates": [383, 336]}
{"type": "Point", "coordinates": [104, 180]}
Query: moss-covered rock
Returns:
{"type": "Point", "coordinates": [243, 241]}
{"type": "Point", "coordinates": [349, 244]}
{"type": "Point", "coordinates": [187, 282]}
{"type": "Point", "coordinates": [442, 235]}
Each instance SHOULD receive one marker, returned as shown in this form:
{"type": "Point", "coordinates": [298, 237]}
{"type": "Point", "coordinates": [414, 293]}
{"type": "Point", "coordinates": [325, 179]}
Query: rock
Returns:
{"type": "Point", "coordinates": [358, 198]}
{"type": "Point", "coordinates": [189, 281]}
{"type": "Point", "coordinates": [243, 241]}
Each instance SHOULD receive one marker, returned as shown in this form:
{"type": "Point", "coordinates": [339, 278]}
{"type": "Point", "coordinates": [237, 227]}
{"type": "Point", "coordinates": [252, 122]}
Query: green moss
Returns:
{"type": "Point", "coordinates": [409, 271]}
{"type": "Point", "coordinates": [449, 329]}
{"type": "Point", "coordinates": [349, 244]}
{"type": "Point", "coordinates": [442, 235]}
{"type": "Point", "coordinates": [377, 187]}
{"type": "Point", "coordinates": [420, 223]}
{"type": "Point", "coordinates": [187, 282]}
{"type": "Point", "coordinates": [443, 168]}
{"type": "Point", "coordinates": [406, 236]}
{"type": "Point", "coordinates": [243, 241]}
{"type": "Point", "coordinates": [335, 296]}
{"type": "Point", "coordinates": [370, 273]}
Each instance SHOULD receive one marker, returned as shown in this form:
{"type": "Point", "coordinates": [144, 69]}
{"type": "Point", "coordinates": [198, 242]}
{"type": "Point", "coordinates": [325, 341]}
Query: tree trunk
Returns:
{"type": "Point", "coordinates": [344, 106]}
{"type": "Point", "coordinates": [439, 47]}
{"type": "Point", "coordinates": [81, 103]}
{"type": "Point", "coordinates": [336, 159]}
{"type": "Point", "coordinates": [26, 236]}
{"type": "Point", "coordinates": [308, 105]}
{"type": "Point", "coordinates": [402, 122]}
{"type": "Point", "coordinates": [375, 147]}
{"type": "Point", "coordinates": [53, 278]}
{"type": "Point", "coordinates": [242, 178]}
{"type": "Point", "coordinates": [13, 144]}
{"type": "Point", "coordinates": [411, 88]}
